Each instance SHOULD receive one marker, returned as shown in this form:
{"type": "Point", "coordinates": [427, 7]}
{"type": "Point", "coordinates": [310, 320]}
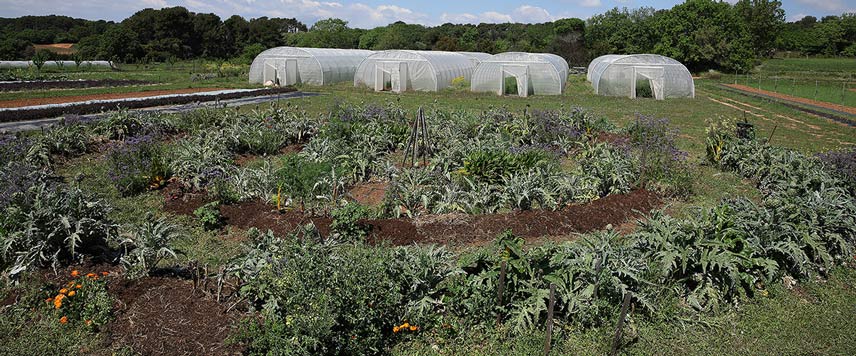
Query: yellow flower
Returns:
{"type": "Point", "coordinates": [395, 329]}
{"type": "Point", "coordinates": [414, 328]}
{"type": "Point", "coordinates": [405, 325]}
{"type": "Point", "coordinates": [71, 294]}
{"type": "Point", "coordinates": [63, 291]}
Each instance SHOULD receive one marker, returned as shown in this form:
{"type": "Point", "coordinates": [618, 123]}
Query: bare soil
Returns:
{"type": "Point", "coordinates": [369, 194]}
{"type": "Point", "coordinates": [448, 229]}
{"type": "Point", "coordinates": [847, 109]}
{"type": "Point", "coordinates": [17, 103]}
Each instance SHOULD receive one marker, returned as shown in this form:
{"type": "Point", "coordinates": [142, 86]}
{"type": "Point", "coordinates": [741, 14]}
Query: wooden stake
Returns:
{"type": "Point", "coordinates": [617, 340]}
{"type": "Point", "coordinates": [500, 289]}
{"type": "Point", "coordinates": [549, 341]}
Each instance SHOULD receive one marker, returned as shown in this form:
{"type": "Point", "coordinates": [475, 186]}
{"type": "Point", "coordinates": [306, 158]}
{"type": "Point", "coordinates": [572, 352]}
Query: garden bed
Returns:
{"type": "Point", "coordinates": [68, 84]}
{"type": "Point", "coordinates": [25, 102]}
{"type": "Point", "coordinates": [445, 229]}
{"type": "Point", "coordinates": [82, 108]}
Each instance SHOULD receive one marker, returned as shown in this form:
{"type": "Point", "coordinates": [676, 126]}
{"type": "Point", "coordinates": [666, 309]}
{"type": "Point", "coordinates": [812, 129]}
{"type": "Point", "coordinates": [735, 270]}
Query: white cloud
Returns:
{"type": "Point", "coordinates": [157, 4]}
{"type": "Point", "coordinates": [532, 14]}
{"type": "Point", "coordinates": [797, 17]}
{"type": "Point", "coordinates": [590, 3]}
{"type": "Point", "coordinates": [485, 17]}
{"type": "Point", "coordinates": [826, 5]}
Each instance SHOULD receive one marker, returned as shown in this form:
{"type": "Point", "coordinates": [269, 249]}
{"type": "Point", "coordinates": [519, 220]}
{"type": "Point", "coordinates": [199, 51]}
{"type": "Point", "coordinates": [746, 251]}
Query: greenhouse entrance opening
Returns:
{"type": "Point", "coordinates": [281, 72]}
{"type": "Point", "coordinates": [652, 77]}
{"type": "Point", "coordinates": [391, 76]}
{"type": "Point", "coordinates": [515, 80]}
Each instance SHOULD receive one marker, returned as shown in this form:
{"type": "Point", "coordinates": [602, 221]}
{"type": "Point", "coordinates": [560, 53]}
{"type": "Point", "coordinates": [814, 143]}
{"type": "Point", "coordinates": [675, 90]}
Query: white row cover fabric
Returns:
{"type": "Point", "coordinates": [536, 73]}
{"type": "Point", "coordinates": [315, 66]}
{"type": "Point", "coordinates": [413, 70]}
{"type": "Point", "coordinates": [27, 64]}
{"type": "Point", "coordinates": [617, 75]}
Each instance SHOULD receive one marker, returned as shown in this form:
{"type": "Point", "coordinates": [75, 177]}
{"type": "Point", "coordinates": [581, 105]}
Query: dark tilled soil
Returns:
{"type": "Point", "coordinates": [449, 229]}
{"type": "Point", "coordinates": [68, 84]}
{"type": "Point", "coordinates": [163, 316]}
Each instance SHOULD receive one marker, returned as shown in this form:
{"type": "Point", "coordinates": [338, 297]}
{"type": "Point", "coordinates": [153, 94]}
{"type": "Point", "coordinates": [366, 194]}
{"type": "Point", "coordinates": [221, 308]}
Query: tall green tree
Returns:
{"type": "Point", "coordinates": [764, 19]}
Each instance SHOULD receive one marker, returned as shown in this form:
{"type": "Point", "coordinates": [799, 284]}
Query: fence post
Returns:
{"type": "Point", "coordinates": [550, 306]}
{"type": "Point", "coordinates": [815, 89]}
{"type": "Point", "coordinates": [617, 340]}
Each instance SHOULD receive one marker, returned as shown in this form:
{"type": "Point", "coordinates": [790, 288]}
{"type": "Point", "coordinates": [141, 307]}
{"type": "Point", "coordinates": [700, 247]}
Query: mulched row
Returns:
{"type": "Point", "coordinates": [69, 84]}
{"type": "Point", "coordinates": [92, 108]}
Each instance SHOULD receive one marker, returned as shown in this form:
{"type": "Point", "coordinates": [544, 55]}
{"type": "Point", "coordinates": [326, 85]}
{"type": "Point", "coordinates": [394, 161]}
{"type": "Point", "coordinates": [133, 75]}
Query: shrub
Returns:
{"type": "Point", "coordinates": [612, 167]}
{"type": "Point", "coordinates": [198, 161]}
{"type": "Point", "coordinates": [490, 166]}
{"type": "Point", "coordinates": [209, 215]}
{"type": "Point", "coordinates": [302, 181]}
{"type": "Point", "coordinates": [346, 221]}
{"type": "Point", "coordinates": [83, 301]}
{"type": "Point", "coordinates": [843, 165]}
{"type": "Point", "coordinates": [71, 137]}
{"type": "Point", "coordinates": [51, 225]}
{"type": "Point", "coordinates": [137, 164]}
{"type": "Point", "coordinates": [145, 245]}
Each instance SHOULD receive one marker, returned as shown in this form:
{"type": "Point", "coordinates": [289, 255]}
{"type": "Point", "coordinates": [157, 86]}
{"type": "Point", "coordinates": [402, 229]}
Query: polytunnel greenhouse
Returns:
{"type": "Point", "coordinates": [402, 70]}
{"type": "Point", "coordinates": [522, 74]}
{"type": "Point", "coordinates": [316, 66]}
{"type": "Point", "coordinates": [640, 74]}
{"type": "Point", "coordinates": [476, 57]}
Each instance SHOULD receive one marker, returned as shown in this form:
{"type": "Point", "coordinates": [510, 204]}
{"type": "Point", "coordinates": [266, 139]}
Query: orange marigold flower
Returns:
{"type": "Point", "coordinates": [105, 273]}
{"type": "Point", "coordinates": [88, 322]}
{"type": "Point", "coordinates": [70, 284]}
{"type": "Point", "coordinates": [405, 325]}
{"type": "Point", "coordinates": [75, 273]}
{"type": "Point", "coordinates": [63, 320]}
{"type": "Point", "coordinates": [72, 293]}
{"type": "Point", "coordinates": [58, 301]}
{"type": "Point", "coordinates": [63, 291]}
{"type": "Point", "coordinates": [90, 275]}
{"type": "Point", "coordinates": [414, 328]}
{"type": "Point", "coordinates": [395, 329]}
{"type": "Point", "coordinates": [78, 286]}
{"type": "Point", "coordinates": [50, 299]}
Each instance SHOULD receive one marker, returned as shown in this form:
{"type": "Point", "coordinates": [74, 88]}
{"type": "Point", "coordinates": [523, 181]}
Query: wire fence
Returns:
{"type": "Point", "coordinates": [839, 92]}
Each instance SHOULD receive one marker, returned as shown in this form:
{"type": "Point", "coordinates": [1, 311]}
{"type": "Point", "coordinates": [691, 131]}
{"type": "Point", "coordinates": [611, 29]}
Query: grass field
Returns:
{"type": "Point", "coordinates": [815, 318]}
{"type": "Point", "coordinates": [162, 76]}
{"type": "Point", "coordinates": [831, 80]}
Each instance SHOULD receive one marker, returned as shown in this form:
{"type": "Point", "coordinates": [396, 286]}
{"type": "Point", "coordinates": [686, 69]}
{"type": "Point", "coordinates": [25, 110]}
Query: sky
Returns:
{"type": "Point", "coordinates": [373, 13]}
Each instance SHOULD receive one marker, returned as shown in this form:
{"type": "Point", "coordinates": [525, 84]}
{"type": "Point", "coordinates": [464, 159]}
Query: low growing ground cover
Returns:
{"type": "Point", "coordinates": [155, 201]}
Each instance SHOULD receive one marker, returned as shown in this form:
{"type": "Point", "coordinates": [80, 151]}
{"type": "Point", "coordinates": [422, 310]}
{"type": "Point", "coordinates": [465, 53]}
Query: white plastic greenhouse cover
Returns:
{"type": "Point", "coordinates": [616, 75]}
{"type": "Point", "coordinates": [413, 70]}
{"type": "Point", "coordinates": [316, 66]}
{"type": "Point", "coordinates": [536, 73]}
{"type": "Point", "coordinates": [476, 57]}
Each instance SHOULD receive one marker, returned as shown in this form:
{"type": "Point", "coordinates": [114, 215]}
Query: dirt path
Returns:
{"type": "Point", "coordinates": [76, 98]}
{"type": "Point", "coordinates": [847, 109]}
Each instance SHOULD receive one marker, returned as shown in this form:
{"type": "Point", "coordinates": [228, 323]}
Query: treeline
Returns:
{"type": "Point", "coordinates": [702, 34]}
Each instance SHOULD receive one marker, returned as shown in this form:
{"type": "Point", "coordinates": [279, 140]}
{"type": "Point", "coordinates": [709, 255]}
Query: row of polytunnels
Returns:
{"type": "Point", "coordinates": [510, 73]}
